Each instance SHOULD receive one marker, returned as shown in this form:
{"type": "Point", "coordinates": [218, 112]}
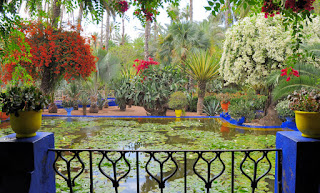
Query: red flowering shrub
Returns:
{"type": "Point", "coordinates": [269, 7]}
{"type": "Point", "coordinates": [121, 6]}
{"type": "Point", "coordinates": [299, 5]}
{"type": "Point", "coordinates": [142, 64]}
{"type": "Point", "coordinates": [288, 72]}
{"type": "Point", "coordinates": [55, 54]}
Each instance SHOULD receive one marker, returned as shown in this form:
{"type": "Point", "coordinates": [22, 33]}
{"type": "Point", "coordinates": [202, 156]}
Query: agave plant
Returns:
{"type": "Point", "coordinates": [212, 108]}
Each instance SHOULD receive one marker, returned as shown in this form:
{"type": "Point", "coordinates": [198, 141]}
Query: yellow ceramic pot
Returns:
{"type": "Point", "coordinates": [178, 113]}
{"type": "Point", "coordinates": [308, 123]}
{"type": "Point", "coordinates": [27, 124]}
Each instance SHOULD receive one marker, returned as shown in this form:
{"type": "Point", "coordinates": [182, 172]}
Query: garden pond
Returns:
{"type": "Point", "coordinates": [158, 134]}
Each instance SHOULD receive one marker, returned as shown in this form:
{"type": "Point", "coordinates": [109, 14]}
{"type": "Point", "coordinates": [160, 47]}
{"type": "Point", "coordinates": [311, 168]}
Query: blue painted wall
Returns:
{"type": "Point", "coordinates": [27, 164]}
{"type": "Point", "coordinates": [300, 164]}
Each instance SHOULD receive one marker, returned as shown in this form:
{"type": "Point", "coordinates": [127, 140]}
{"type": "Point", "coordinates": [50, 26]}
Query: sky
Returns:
{"type": "Point", "coordinates": [133, 26]}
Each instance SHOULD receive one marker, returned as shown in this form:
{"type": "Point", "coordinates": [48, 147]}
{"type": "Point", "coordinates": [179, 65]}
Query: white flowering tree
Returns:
{"type": "Point", "coordinates": [253, 48]}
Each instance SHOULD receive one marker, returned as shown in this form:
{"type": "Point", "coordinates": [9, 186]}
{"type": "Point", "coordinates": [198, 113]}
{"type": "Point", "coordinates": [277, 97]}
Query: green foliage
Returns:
{"type": "Point", "coordinates": [241, 109]}
{"type": "Point", "coordinates": [178, 100]}
{"type": "Point", "coordinates": [100, 101]}
{"type": "Point", "coordinates": [192, 103]}
{"type": "Point", "coordinates": [68, 102]}
{"type": "Point", "coordinates": [22, 99]}
{"type": "Point", "coordinates": [212, 108]}
{"type": "Point", "coordinates": [122, 90]}
{"type": "Point", "coordinates": [284, 110]}
{"type": "Point", "coordinates": [210, 98]}
{"type": "Point", "coordinates": [153, 87]}
{"type": "Point", "coordinates": [224, 97]}
{"type": "Point", "coordinates": [84, 99]}
{"type": "Point", "coordinates": [181, 40]}
{"type": "Point", "coordinates": [309, 78]}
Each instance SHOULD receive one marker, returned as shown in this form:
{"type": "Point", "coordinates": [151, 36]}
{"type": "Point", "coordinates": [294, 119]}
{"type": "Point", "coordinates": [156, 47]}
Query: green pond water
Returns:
{"type": "Point", "coordinates": [158, 134]}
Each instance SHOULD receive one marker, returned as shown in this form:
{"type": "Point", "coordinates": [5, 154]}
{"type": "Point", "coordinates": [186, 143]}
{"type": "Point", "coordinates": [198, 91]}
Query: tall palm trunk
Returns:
{"type": "Point", "coordinates": [79, 20]}
{"type": "Point", "coordinates": [201, 95]}
{"type": "Point", "coordinates": [107, 31]}
{"type": "Point", "coordinates": [146, 39]}
{"type": "Point", "coordinates": [55, 13]}
{"type": "Point", "coordinates": [226, 14]}
{"type": "Point", "coordinates": [191, 10]}
{"type": "Point", "coordinates": [155, 28]}
{"type": "Point", "coordinates": [101, 35]}
{"type": "Point", "coordinates": [122, 35]}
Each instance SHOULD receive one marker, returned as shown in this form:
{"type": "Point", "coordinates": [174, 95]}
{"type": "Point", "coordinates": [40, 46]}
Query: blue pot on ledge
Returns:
{"type": "Point", "coordinates": [68, 109]}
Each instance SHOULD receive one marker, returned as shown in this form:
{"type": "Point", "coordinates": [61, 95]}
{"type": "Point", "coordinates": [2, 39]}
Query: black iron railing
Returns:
{"type": "Point", "coordinates": [68, 156]}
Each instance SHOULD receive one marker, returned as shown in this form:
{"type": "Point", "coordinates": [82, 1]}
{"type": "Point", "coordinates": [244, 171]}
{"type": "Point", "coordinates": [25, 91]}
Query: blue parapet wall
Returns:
{"type": "Point", "coordinates": [27, 165]}
{"type": "Point", "coordinates": [300, 163]}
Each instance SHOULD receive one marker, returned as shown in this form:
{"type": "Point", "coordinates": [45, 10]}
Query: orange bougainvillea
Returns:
{"type": "Point", "coordinates": [55, 53]}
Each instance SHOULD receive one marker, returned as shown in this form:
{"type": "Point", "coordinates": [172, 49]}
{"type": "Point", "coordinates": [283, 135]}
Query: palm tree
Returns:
{"type": "Point", "coordinates": [202, 67]}
{"type": "Point", "coordinates": [146, 39]}
{"type": "Point", "coordinates": [191, 10]}
{"type": "Point", "coordinates": [173, 12]}
{"type": "Point", "coordinates": [186, 13]}
{"type": "Point", "coordinates": [181, 39]}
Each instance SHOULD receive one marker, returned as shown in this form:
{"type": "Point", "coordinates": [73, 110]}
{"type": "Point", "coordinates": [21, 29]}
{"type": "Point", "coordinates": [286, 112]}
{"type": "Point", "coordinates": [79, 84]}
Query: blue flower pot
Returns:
{"type": "Point", "coordinates": [68, 109]}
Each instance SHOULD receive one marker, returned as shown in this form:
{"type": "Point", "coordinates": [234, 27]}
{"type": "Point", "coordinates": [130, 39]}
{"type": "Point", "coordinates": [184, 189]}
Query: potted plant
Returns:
{"type": "Point", "coordinates": [178, 101]}
{"type": "Point", "coordinates": [68, 105]}
{"type": "Point", "coordinates": [224, 99]}
{"type": "Point", "coordinates": [24, 104]}
{"type": "Point", "coordinates": [306, 106]}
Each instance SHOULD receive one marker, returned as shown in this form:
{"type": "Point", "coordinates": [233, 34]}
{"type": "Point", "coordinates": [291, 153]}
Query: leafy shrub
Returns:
{"type": "Point", "coordinates": [209, 99]}
{"type": "Point", "coordinates": [154, 85]}
{"type": "Point", "coordinates": [241, 109]}
{"type": "Point", "coordinates": [284, 110]}
{"type": "Point", "coordinates": [178, 100]}
{"type": "Point", "coordinates": [212, 108]}
{"type": "Point", "coordinates": [192, 104]}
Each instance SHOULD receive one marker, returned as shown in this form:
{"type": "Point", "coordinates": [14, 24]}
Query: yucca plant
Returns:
{"type": "Point", "coordinates": [202, 67]}
{"type": "Point", "coordinates": [212, 108]}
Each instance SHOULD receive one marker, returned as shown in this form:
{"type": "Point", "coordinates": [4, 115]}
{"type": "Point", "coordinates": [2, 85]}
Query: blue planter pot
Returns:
{"type": "Point", "coordinates": [68, 109]}
{"type": "Point", "coordinates": [289, 123]}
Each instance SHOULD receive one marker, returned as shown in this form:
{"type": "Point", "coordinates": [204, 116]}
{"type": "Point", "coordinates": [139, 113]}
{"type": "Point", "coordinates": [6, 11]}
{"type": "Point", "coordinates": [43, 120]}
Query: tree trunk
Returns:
{"type": "Point", "coordinates": [191, 10]}
{"type": "Point", "coordinates": [155, 28]}
{"type": "Point", "coordinates": [84, 109]}
{"type": "Point", "coordinates": [55, 13]}
{"type": "Point", "coordinates": [201, 94]}
{"type": "Point", "coordinates": [101, 35]}
{"type": "Point", "coordinates": [146, 40]}
{"type": "Point", "coordinates": [226, 14]}
{"type": "Point", "coordinates": [122, 36]}
{"type": "Point", "coordinates": [61, 15]}
{"type": "Point", "coordinates": [107, 31]}
{"type": "Point", "coordinates": [79, 20]}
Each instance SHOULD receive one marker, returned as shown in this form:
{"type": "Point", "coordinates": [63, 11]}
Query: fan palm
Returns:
{"type": "Point", "coordinates": [202, 67]}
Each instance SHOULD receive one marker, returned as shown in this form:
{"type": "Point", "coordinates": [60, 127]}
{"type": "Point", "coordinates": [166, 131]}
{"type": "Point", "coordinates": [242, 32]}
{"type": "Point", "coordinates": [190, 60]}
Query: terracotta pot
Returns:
{"type": "Point", "coordinates": [3, 116]}
{"type": "Point", "coordinates": [308, 123]}
{"type": "Point", "coordinates": [225, 106]}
